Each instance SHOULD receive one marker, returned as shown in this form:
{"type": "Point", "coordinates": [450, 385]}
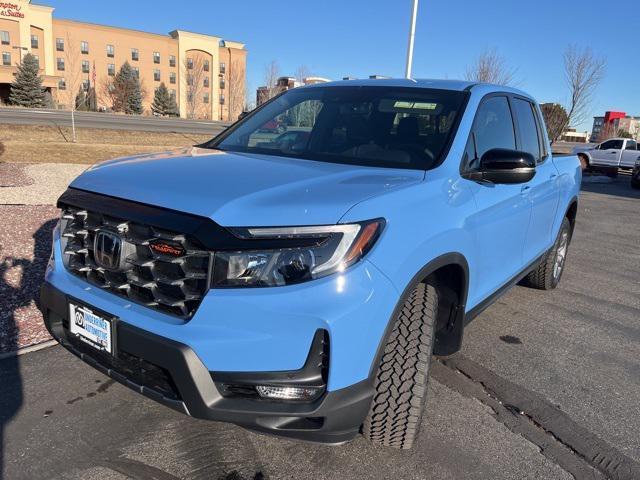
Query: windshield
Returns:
{"type": "Point", "coordinates": [369, 126]}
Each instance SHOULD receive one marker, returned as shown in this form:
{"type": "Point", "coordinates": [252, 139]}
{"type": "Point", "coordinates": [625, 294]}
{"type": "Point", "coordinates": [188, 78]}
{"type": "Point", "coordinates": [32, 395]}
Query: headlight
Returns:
{"type": "Point", "coordinates": [319, 251]}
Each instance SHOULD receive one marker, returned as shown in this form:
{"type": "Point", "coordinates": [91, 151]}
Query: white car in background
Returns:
{"type": "Point", "coordinates": [610, 155]}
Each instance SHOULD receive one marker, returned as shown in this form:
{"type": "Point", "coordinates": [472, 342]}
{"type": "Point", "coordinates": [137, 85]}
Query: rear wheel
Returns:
{"type": "Point", "coordinates": [547, 274]}
{"type": "Point", "coordinates": [401, 381]}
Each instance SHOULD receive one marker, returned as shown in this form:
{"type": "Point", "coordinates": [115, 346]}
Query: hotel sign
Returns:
{"type": "Point", "coordinates": [11, 10]}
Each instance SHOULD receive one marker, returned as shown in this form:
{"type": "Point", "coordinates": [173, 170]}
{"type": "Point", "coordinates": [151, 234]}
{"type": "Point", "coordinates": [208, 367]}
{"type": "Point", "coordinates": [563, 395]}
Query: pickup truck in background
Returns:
{"type": "Point", "coordinates": [300, 288]}
{"type": "Point", "coordinates": [609, 155]}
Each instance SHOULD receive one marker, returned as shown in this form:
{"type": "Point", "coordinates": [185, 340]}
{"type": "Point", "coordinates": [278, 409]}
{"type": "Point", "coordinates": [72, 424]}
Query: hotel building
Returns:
{"type": "Point", "coordinates": [205, 73]}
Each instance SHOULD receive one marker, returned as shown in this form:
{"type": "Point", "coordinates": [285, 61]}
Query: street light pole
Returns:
{"type": "Point", "coordinates": [412, 35]}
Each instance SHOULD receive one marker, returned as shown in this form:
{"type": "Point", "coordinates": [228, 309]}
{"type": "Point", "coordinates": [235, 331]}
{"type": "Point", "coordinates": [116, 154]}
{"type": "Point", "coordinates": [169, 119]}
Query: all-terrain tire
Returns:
{"type": "Point", "coordinates": [548, 273]}
{"type": "Point", "coordinates": [401, 381]}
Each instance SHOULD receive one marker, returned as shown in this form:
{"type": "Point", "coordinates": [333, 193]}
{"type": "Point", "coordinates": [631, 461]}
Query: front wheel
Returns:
{"type": "Point", "coordinates": [547, 274]}
{"type": "Point", "coordinates": [401, 381]}
{"type": "Point", "coordinates": [584, 162]}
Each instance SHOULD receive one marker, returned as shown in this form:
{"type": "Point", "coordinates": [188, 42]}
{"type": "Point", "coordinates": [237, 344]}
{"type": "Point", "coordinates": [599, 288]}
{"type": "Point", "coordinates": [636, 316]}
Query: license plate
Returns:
{"type": "Point", "coordinates": [90, 328]}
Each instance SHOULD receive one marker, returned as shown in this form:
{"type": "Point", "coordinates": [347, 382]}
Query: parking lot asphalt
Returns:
{"type": "Point", "coordinates": [546, 386]}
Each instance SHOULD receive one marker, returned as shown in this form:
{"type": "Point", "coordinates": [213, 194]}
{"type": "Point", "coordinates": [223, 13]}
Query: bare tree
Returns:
{"type": "Point", "coordinates": [490, 67]}
{"type": "Point", "coordinates": [195, 74]}
{"type": "Point", "coordinates": [584, 73]}
{"type": "Point", "coordinates": [237, 90]}
{"type": "Point", "coordinates": [271, 75]}
{"type": "Point", "coordinates": [608, 131]}
{"type": "Point", "coordinates": [72, 81]}
{"type": "Point", "coordinates": [302, 72]}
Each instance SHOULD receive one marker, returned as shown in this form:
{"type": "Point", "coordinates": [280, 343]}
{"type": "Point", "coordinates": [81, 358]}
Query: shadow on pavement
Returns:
{"type": "Point", "coordinates": [15, 297]}
{"type": "Point", "coordinates": [618, 187]}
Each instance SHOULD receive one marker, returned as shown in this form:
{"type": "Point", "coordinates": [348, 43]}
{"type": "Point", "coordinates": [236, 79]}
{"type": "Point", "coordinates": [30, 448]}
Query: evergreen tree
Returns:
{"type": "Point", "coordinates": [134, 101]}
{"type": "Point", "coordinates": [127, 91]}
{"type": "Point", "coordinates": [26, 90]}
{"type": "Point", "coordinates": [163, 103]}
{"type": "Point", "coordinates": [49, 102]}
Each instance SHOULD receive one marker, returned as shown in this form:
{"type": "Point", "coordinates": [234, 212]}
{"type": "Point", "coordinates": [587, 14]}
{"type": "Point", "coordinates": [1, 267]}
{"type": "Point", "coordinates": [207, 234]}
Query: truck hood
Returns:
{"type": "Point", "coordinates": [238, 189]}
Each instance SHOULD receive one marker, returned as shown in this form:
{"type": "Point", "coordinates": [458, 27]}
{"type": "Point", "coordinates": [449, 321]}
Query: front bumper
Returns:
{"type": "Point", "coordinates": [176, 377]}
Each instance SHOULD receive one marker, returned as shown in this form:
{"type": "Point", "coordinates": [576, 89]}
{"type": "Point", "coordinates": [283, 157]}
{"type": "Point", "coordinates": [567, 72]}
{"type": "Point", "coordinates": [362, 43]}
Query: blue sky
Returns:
{"type": "Point", "coordinates": [335, 38]}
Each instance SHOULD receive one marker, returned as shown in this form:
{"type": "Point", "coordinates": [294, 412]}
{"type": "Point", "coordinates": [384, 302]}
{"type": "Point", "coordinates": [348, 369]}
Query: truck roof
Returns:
{"type": "Point", "coordinates": [456, 85]}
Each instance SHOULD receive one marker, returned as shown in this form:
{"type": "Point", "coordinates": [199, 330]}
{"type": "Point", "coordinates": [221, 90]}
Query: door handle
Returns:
{"type": "Point", "coordinates": [525, 189]}
{"type": "Point", "coordinates": [552, 176]}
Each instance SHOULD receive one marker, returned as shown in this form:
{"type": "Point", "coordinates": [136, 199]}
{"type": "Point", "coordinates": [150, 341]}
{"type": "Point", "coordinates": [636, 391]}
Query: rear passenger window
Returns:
{"type": "Point", "coordinates": [528, 129]}
{"type": "Point", "coordinates": [493, 128]}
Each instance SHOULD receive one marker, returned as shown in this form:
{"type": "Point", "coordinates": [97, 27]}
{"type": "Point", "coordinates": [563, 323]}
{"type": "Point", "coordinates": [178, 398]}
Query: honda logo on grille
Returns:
{"type": "Point", "coordinates": [107, 250]}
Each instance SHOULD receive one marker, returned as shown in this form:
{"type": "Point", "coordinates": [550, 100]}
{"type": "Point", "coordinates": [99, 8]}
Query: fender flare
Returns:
{"type": "Point", "coordinates": [587, 155]}
{"type": "Point", "coordinates": [457, 327]}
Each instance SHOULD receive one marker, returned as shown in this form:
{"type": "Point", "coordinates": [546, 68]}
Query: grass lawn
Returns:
{"type": "Point", "coordinates": [50, 144]}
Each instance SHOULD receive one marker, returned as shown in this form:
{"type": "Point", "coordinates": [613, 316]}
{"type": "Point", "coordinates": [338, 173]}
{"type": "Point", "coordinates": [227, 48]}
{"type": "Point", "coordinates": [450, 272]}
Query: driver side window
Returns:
{"type": "Point", "coordinates": [492, 128]}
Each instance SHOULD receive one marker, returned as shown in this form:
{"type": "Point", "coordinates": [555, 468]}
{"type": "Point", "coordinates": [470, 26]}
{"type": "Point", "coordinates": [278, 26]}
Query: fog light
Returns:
{"type": "Point", "coordinates": [288, 393]}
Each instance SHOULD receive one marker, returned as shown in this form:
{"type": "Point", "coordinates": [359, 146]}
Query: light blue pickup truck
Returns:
{"type": "Point", "coordinates": [300, 284]}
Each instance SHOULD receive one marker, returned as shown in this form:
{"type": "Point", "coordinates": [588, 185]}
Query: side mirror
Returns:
{"type": "Point", "coordinates": [504, 166]}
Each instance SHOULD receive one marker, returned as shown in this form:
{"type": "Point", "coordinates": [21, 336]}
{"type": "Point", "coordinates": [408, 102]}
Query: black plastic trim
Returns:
{"type": "Point", "coordinates": [486, 303]}
{"type": "Point", "coordinates": [447, 259]}
{"type": "Point", "coordinates": [335, 417]}
{"type": "Point", "coordinates": [211, 235]}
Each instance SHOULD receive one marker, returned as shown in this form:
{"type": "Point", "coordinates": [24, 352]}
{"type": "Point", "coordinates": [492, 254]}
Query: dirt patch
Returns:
{"type": "Point", "coordinates": [38, 144]}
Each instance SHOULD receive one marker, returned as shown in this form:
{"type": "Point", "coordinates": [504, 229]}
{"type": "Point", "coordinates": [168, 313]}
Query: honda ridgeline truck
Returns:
{"type": "Point", "coordinates": [300, 285]}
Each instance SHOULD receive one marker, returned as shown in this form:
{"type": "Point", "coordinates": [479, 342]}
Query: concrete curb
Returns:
{"type": "Point", "coordinates": [29, 349]}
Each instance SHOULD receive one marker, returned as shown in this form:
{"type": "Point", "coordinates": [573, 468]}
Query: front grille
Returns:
{"type": "Point", "coordinates": [172, 279]}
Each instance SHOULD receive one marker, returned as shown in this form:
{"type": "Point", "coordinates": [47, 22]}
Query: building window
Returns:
{"type": "Point", "coordinates": [136, 70]}
{"type": "Point", "coordinates": [172, 60]}
{"type": "Point", "coordinates": [62, 84]}
{"type": "Point", "coordinates": [222, 99]}
{"type": "Point", "coordinates": [222, 84]}
{"type": "Point", "coordinates": [111, 52]}
{"type": "Point", "coordinates": [190, 63]}
{"type": "Point", "coordinates": [86, 85]}
{"type": "Point", "coordinates": [37, 59]}
{"type": "Point", "coordinates": [207, 66]}
{"type": "Point", "coordinates": [172, 92]}
{"type": "Point", "coordinates": [223, 67]}
{"type": "Point", "coordinates": [84, 47]}
{"type": "Point", "coordinates": [205, 97]}
{"type": "Point", "coordinates": [4, 37]}
{"type": "Point", "coordinates": [190, 80]}
{"type": "Point", "coordinates": [206, 82]}
{"type": "Point", "coordinates": [60, 44]}
{"type": "Point", "coordinates": [85, 66]}
{"type": "Point", "coordinates": [156, 57]}
{"type": "Point", "coordinates": [135, 54]}
{"type": "Point", "coordinates": [60, 64]}
{"type": "Point", "coordinates": [6, 58]}
{"type": "Point", "coordinates": [156, 75]}
{"type": "Point", "coordinates": [172, 77]}
{"type": "Point", "coordinates": [34, 41]}
{"type": "Point", "coordinates": [111, 69]}
{"type": "Point", "coordinates": [189, 96]}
